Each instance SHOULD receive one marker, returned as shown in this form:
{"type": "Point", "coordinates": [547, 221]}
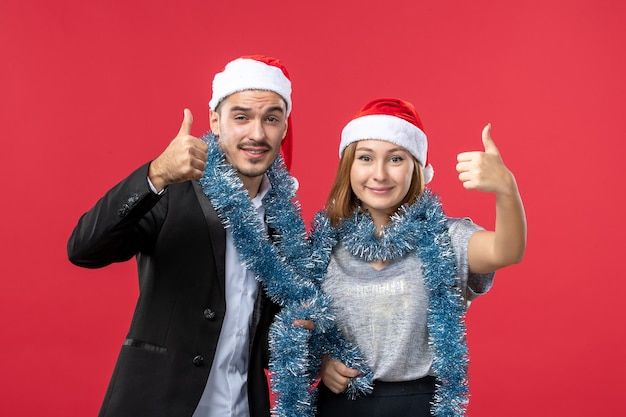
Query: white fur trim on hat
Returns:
{"type": "Point", "coordinates": [391, 129]}
{"type": "Point", "coordinates": [249, 74]}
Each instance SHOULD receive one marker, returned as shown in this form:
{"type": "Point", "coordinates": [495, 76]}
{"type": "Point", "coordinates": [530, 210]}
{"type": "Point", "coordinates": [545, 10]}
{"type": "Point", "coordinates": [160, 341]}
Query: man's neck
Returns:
{"type": "Point", "coordinates": [251, 184]}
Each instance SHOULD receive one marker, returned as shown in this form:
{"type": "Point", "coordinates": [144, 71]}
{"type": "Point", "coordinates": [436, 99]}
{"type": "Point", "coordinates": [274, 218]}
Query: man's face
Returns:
{"type": "Point", "coordinates": [250, 126]}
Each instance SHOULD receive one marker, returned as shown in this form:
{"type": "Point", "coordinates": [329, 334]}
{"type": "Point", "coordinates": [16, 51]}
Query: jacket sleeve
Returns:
{"type": "Point", "coordinates": [122, 223]}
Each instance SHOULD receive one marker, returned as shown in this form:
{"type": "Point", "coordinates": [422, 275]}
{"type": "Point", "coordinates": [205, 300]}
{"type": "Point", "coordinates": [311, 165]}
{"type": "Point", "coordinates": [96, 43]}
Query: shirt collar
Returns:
{"type": "Point", "coordinates": [257, 201]}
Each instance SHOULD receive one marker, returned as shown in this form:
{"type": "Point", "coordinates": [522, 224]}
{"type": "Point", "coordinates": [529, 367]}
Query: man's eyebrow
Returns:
{"type": "Point", "coordinates": [276, 108]}
{"type": "Point", "coordinates": [240, 108]}
{"type": "Point", "coordinates": [248, 109]}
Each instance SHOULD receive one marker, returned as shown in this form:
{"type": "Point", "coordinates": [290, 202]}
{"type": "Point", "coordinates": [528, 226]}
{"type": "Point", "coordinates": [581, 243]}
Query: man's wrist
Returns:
{"type": "Point", "coordinates": [154, 189]}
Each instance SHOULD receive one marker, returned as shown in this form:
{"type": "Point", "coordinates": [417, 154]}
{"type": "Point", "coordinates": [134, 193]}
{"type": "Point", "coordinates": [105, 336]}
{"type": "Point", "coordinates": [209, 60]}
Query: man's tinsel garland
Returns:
{"type": "Point", "coordinates": [421, 227]}
{"type": "Point", "coordinates": [280, 265]}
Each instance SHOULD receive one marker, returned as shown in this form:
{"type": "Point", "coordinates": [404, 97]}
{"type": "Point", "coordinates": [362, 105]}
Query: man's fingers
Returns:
{"type": "Point", "coordinates": [351, 373]}
{"type": "Point", "coordinates": [305, 324]}
{"type": "Point", "coordinates": [344, 371]}
{"type": "Point", "coordinates": [185, 127]}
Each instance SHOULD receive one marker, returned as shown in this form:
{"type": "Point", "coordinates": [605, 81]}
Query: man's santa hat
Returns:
{"type": "Point", "coordinates": [256, 72]}
{"type": "Point", "coordinates": [392, 120]}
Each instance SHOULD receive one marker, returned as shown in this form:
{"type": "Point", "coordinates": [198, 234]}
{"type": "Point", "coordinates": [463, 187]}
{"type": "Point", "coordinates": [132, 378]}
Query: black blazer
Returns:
{"type": "Point", "coordinates": [179, 245]}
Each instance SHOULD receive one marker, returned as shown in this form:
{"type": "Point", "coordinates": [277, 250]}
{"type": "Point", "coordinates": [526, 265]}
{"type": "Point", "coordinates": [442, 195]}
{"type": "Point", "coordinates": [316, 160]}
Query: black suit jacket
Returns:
{"type": "Point", "coordinates": [179, 245]}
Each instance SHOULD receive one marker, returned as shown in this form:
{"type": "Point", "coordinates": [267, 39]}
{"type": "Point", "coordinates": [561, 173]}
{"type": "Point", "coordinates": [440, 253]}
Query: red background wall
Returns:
{"type": "Point", "coordinates": [91, 89]}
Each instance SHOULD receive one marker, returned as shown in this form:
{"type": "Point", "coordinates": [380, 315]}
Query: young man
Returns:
{"type": "Point", "coordinates": [197, 344]}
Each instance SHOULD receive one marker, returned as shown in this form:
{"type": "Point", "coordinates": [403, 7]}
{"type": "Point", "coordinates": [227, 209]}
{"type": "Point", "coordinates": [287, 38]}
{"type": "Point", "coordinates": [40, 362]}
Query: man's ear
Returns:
{"type": "Point", "coordinates": [286, 128]}
{"type": "Point", "coordinates": [214, 122]}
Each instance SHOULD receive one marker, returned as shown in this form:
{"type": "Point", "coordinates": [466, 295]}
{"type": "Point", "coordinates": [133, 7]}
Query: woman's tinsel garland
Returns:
{"type": "Point", "coordinates": [278, 264]}
{"type": "Point", "coordinates": [421, 227]}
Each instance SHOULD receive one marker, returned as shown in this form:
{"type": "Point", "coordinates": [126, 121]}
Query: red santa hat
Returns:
{"type": "Point", "coordinates": [392, 120]}
{"type": "Point", "coordinates": [256, 72]}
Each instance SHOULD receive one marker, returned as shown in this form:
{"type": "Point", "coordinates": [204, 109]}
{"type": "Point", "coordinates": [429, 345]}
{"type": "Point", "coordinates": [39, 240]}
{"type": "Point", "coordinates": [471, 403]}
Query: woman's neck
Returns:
{"type": "Point", "coordinates": [380, 221]}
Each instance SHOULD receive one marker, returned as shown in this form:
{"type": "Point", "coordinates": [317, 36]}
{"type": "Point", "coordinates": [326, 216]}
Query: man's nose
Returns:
{"type": "Point", "coordinates": [257, 132]}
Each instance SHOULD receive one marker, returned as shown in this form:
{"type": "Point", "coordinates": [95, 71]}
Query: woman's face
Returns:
{"type": "Point", "coordinates": [381, 177]}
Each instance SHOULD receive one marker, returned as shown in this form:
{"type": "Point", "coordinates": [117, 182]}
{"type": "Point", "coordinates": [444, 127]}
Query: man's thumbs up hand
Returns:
{"type": "Point", "coordinates": [184, 158]}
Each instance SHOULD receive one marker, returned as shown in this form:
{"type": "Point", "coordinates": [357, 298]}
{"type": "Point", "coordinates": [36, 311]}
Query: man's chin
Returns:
{"type": "Point", "coordinates": [252, 170]}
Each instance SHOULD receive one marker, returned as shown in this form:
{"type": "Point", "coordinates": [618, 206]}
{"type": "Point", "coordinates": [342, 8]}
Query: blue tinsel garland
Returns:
{"type": "Point", "coordinates": [280, 265]}
{"type": "Point", "coordinates": [421, 227]}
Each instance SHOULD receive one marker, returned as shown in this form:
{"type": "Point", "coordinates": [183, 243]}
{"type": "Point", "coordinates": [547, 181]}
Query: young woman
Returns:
{"type": "Point", "coordinates": [400, 272]}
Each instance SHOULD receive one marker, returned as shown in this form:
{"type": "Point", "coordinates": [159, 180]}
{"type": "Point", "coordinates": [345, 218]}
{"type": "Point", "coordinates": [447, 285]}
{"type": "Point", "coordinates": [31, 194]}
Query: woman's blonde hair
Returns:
{"type": "Point", "coordinates": [342, 202]}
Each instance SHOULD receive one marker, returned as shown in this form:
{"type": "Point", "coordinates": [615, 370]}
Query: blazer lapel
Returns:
{"type": "Point", "coordinates": [217, 233]}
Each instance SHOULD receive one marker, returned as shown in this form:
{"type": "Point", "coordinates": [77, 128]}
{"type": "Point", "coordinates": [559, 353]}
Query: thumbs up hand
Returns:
{"type": "Point", "coordinates": [485, 171]}
{"type": "Point", "coordinates": [183, 159]}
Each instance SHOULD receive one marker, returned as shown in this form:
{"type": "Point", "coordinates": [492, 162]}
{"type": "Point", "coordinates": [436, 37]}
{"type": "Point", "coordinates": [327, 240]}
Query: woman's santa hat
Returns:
{"type": "Point", "coordinates": [256, 72]}
{"type": "Point", "coordinates": [392, 120]}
